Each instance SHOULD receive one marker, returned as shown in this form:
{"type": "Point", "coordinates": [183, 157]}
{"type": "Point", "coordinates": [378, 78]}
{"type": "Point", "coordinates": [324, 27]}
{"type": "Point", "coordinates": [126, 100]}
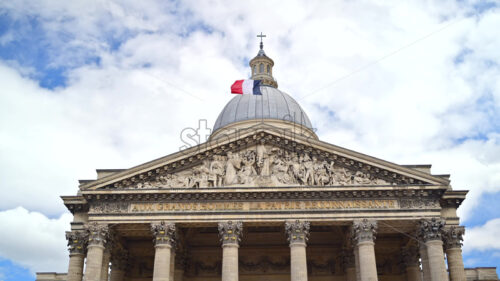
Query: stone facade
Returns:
{"type": "Point", "coordinates": [264, 204]}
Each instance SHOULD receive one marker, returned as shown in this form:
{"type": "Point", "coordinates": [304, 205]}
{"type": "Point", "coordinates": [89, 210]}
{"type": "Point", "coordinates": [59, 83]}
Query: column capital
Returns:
{"type": "Point", "coordinates": [164, 233]}
{"type": "Point", "coordinates": [430, 229]}
{"type": "Point", "coordinates": [410, 256]}
{"type": "Point", "coordinates": [77, 241]}
{"type": "Point", "coordinates": [230, 232]}
{"type": "Point", "coordinates": [364, 230]}
{"type": "Point", "coordinates": [98, 234]}
{"type": "Point", "coordinates": [297, 231]}
{"type": "Point", "coordinates": [453, 236]}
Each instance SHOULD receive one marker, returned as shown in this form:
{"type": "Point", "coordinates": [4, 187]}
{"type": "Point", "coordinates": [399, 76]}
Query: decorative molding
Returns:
{"type": "Point", "coordinates": [164, 233]}
{"type": "Point", "coordinates": [77, 241]}
{"type": "Point", "coordinates": [230, 232]}
{"type": "Point", "coordinates": [453, 236]}
{"type": "Point", "coordinates": [364, 230]}
{"type": "Point", "coordinates": [428, 196]}
{"type": "Point", "coordinates": [431, 229]}
{"type": "Point", "coordinates": [297, 231]}
{"type": "Point", "coordinates": [98, 234]}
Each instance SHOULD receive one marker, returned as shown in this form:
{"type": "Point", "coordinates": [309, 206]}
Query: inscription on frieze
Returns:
{"type": "Point", "coordinates": [259, 206]}
{"type": "Point", "coordinates": [262, 206]}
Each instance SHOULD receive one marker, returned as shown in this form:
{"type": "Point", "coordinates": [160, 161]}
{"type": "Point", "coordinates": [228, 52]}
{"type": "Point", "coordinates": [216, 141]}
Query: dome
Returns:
{"type": "Point", "coordinates": [272, 104]}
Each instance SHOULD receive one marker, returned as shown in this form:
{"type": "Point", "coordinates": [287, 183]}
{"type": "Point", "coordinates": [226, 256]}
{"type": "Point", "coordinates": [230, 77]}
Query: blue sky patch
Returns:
{"type": "Point", "coordinates": [10, 271]}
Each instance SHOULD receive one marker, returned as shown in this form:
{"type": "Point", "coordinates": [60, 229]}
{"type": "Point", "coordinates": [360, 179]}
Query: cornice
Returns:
{"type": "Point", "coordinates": [75, 203]}
{"type": "Point", "coordinates": [214, 194]}
{"type": "Point", "coordinates": [453, 198]}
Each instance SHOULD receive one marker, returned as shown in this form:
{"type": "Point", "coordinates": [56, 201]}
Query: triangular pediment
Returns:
{"type": "Point", "coordinates": [264, 157]}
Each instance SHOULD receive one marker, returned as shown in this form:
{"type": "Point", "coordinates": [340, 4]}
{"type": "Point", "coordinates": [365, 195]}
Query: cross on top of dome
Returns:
{"type": "Point", "coordinates": [261, 43]}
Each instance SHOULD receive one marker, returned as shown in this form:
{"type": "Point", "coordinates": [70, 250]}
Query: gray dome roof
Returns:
{"type": "Point", "coordinates": [272, 104]}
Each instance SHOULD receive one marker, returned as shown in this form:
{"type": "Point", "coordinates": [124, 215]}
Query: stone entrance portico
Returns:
{"type": "Point", "coordinates": [215, 251]}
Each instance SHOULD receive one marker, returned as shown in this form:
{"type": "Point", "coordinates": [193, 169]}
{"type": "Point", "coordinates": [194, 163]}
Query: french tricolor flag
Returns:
{"type": "Point", "coordinates": [246, 87]}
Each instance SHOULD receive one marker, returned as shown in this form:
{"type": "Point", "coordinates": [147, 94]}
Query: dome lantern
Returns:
{"type": "Point", "coordinates": [262, 67]}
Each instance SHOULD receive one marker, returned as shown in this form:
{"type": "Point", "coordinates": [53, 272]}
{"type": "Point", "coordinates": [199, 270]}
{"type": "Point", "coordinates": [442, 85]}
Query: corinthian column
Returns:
{"type": "Point", "coordinates": [363, 233]}
{"type": "Point", "coordinates": [230, 235]}
{"type": "Point", "coordinates": [430, 233]}
{"type": "Point", "coordinates": [453, 244]}
{"type": "Point", "coordinates": [98, 235]}
{"type": "Point", "coordinates": [77, 241]}
{"type": "Point", "coordinates": [411, 263]}
{"type": "Point", "coordinates": [298, 234]}
{"type": "Point", "coordinates": [164, 242]}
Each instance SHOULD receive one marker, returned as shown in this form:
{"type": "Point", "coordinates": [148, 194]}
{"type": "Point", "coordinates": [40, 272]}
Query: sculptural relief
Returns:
{"type": "Point", "coordinates": [262, 165]}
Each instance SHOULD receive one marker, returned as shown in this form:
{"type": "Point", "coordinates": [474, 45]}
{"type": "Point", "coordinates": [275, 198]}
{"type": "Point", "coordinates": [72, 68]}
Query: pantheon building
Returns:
{"type": "Point", "coordinates": [265, 199]}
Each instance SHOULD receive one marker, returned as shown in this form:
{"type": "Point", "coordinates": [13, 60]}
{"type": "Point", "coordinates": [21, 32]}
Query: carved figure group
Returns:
{"type": "Point", "coordinates": [262, 165]}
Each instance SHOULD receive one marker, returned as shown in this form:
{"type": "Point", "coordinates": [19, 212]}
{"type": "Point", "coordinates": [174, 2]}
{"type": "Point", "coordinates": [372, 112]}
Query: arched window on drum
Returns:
{"type": "Point", "coordinates": [261, 68]}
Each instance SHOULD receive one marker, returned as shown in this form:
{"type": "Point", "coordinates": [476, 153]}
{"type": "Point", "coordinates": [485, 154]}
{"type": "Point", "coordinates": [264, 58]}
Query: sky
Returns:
{"type": "Point", "coordinates": [112, 84]}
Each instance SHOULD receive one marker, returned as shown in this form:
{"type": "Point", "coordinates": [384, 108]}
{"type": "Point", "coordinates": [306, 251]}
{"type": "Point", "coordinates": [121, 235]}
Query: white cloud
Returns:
{"type": "Point", "coordinates": [32, 240]}
{"type": "Point", "coordinates": [483, 238]}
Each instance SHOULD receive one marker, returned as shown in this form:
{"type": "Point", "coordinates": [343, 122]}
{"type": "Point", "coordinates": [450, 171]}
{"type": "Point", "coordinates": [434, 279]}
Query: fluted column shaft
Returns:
{"type": "Point", "coordinates": [431, 234]}
{"type": "Point", "coordinates": [230, 235]}
{"type": "Point", "coordinates": [98, 234]}
{"type": "Point", "coordinates": [298, 234]}
{"type": "Point", "coordinates": [77, 241]}
{"type": "Point", "coordinates": [453, 243]}
{"type": "Point", "coordinates": [363, 233]}
{"type": "Point", "coordinates": [164, 241]}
